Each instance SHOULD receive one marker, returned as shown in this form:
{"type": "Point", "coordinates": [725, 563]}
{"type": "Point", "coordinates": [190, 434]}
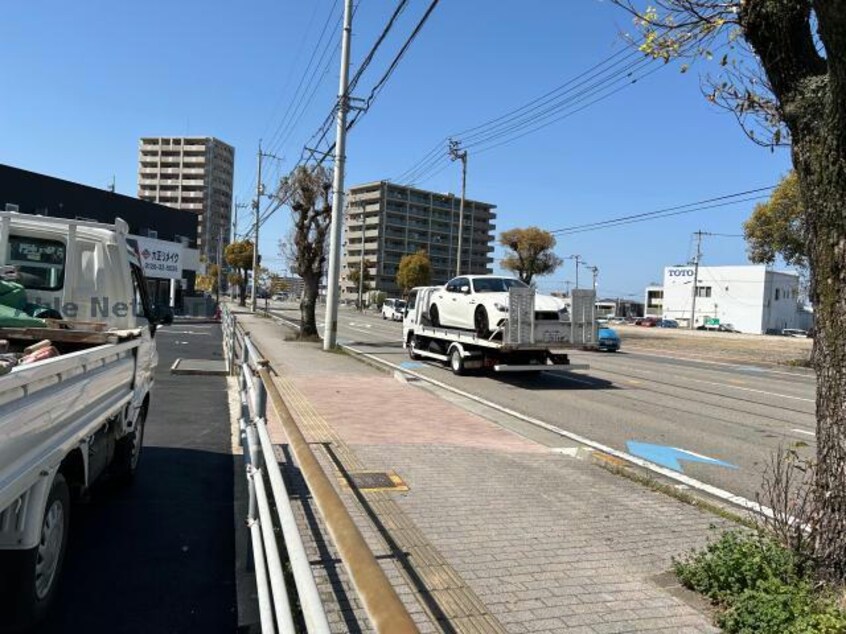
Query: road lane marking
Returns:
{"type": "Point", "coordinates": [719, 384]}
{"type": "Point", "coordinates": [671, 457]}
{"type": "Point", "coordinates": [737, 366]}
{"type": "Point", "coordinates": [704, 487]}
{"type": "Point", "coordinates": [681, 478]}
{"type": "Point", "coordinates": [804, 431]}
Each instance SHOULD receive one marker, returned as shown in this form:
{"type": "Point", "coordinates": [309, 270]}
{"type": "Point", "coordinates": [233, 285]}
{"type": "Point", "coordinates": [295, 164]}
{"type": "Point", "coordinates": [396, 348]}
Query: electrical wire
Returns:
{"type": "Point", "coordinates": [648, 214]}
{"type": "Point", "coordinates": [544, 110]}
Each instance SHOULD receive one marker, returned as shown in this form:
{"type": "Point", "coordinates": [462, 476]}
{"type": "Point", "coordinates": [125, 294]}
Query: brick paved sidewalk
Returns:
{"type": "Point", "coordinates": [496, 533]}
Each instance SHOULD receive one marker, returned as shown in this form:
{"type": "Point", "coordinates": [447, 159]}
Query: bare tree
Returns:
{"type": "Point", "coordinates": [307, 190]}
{"type": "Point", "coordinates": [790, 81]}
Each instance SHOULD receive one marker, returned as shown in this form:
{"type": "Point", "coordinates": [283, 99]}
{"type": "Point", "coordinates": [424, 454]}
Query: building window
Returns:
{"type": "Point", "coordinates": [777, 294]}
{"type": "Point", "coordinates": [705, 291]}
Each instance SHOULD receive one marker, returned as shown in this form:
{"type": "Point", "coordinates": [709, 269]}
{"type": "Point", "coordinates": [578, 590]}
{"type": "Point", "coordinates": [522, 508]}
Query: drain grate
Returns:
{"type": "Point", "coordinates": [377, 481]}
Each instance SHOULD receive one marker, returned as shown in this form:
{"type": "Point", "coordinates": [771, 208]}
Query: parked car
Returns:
{"type": "Point", "coordinates": [480, 303]}
{"type": "Point", "coordinates": [794, 332]}
{"type": "Point", "coordinates": [608, 339]}
{"type": "Point", "coordinates": [280, 297]}
{"type": "Point", "coordinates": [648, 322]}
{"type": "Point", "coordinates": [393, 309]}
{"type": "Point", "coordinates": [668, 323]}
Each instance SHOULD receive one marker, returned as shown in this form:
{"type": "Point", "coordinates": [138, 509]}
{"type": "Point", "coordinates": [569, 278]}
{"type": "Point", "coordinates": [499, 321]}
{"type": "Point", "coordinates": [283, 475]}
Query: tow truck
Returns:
{"type": "Point", "coordinates": [521, 343]}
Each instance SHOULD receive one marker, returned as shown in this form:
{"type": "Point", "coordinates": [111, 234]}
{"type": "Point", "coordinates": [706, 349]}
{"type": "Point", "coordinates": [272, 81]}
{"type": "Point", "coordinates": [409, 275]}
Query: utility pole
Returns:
{"type": "Point", "coordinates": [235, 207]}
{"type": "Point", "coordinates": [459, 155]}
{"type": "Point", "coordinates": [698, 257]}
{"type": "Point", "coordinates": [219, 260]}
{"type": "Point", "coordinates": [595, 271]}
{"type": "Point", "coordinates": [257, 210]}
{"type": "Point", "coordinates": [330, 326]}
{"type": "Point", "coordinates": [578, 259]}
{"type": "Point", "coordinates": [361, 264]}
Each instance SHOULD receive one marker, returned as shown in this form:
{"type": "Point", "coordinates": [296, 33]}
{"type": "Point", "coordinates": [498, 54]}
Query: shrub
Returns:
{"type": "Point", "coordinates": [770, 607]}
{"type": "Point", "coordinates": [760, 587]}
{"type": "Point", "coordinates": [736, 562]}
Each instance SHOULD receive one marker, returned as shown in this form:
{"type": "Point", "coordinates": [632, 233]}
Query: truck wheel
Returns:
{"type": "Point", "coordinates": [128, 449]}
{"type": "Point", "coordinates": [480, 320]}
{"type": "Point", "coordinates": [412, 341]}
{"type": "Point", "coordinates": [456, 362]}
{"type": "Point", "coordinates": [434, 316]}
{"type": "Point", "coordinates": [32, 576]}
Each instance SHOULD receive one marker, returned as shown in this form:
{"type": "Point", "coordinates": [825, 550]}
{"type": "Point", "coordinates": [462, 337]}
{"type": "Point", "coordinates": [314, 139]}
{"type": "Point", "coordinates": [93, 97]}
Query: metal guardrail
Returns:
{"type": "Point", "coordinates": [244, 360]}
{"type": "Point", "coordinates": [381, 602]}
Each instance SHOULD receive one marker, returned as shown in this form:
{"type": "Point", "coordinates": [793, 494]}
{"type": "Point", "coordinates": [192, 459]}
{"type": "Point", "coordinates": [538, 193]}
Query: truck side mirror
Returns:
{"type": "Point", "coordinates": [465, 290]}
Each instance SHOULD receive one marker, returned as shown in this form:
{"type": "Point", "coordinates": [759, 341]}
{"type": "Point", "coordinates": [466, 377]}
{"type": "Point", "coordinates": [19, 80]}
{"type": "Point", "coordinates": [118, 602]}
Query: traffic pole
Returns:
{"type": "Point", "coordinates": [257, 207]}
{"type": "Point", "coordinates": [330, 326]}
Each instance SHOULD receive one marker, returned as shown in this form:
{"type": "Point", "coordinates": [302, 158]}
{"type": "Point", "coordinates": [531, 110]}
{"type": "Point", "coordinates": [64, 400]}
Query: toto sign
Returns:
{"type": "Point", "coordinates": [680, 272]}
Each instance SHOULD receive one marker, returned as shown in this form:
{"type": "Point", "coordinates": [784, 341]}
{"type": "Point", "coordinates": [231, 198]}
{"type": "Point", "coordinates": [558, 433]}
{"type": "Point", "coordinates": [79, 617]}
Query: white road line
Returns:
{"type": "Point", "coordinates": [728, 385]}
{"type": "Point", "coordinates": [622, 455]}
{"type": "Point", "coordinates": [804, 431]}
{"type": "Point", "coordinates": [731, 365]}
{"type": "Point", "coordinates": [640, 462]}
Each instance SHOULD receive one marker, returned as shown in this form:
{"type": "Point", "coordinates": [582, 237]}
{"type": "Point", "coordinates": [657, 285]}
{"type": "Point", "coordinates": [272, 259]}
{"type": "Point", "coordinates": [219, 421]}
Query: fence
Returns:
{"type": "Point", "coordinates": [384, 608]}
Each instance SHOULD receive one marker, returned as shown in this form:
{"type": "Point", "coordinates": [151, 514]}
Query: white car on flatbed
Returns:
{"type": "Point", "coordinates": [520, 342]}
{"type": "Point", "coordinates": [68, 419]}
{"type": "Point", "coordinates": [480, 303]}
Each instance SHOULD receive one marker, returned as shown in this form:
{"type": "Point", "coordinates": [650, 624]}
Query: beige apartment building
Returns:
{"type": "Point", "coordinates": [195, 174]}
{"type": "Point", "coordinates": [399, 220]}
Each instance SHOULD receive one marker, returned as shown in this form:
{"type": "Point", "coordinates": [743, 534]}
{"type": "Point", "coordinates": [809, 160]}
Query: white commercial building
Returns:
{"type": "Point", "coordinates": [752, 298]}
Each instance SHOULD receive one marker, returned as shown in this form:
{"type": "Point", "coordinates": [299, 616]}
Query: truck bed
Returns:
{"type": "Point", "coordinates": [49, 406]}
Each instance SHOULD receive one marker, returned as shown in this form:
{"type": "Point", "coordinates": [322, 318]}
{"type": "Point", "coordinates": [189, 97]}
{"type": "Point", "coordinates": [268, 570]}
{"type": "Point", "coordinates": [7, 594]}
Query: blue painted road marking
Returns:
{"type": "Point", "coordinates": [749, 368]}
{"type": "Point", "coordinates": [669, 456]}
{"type": "Point", "coordinates": [411, 365]}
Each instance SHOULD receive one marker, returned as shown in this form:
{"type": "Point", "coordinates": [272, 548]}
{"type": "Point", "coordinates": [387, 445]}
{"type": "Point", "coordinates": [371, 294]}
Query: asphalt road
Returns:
{"type": "Point", "coordinates": [737, 415]}
{"type": "Point", "coordinates": [159, 555]}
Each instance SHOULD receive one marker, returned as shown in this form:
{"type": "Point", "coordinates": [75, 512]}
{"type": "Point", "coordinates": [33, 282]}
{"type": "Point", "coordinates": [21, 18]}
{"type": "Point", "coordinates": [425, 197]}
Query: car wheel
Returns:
{"type": "Point", "coordinates": [434, 317]}
{"type": "Point", "coordinates": [480, 320]}
{"type": "Point", "coordinates": [456, 362]}
{"type": "Point", "coordinates": [128, 449]}
{"type": "Point", "coordinates": [30, 577]}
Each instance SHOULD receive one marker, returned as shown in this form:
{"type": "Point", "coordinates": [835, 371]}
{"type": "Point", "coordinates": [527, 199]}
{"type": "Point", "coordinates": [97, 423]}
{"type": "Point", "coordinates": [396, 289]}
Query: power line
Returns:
{"type": "Point", "coordinates": [667, 215]}
{"type": "Point", "coordinates": [648, 215]}
{"type": "Point", "coordinates": [621, 66]}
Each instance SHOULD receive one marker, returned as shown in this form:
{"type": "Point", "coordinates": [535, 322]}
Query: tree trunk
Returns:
{"type": "Point", "coordinates": [308, 321]}
{"type": "Point", "coordinates": [242, 287]}
{"type": "Point", "coordinates": [821, 166]}
{"type": "Point", "coordinates": [811, 91]}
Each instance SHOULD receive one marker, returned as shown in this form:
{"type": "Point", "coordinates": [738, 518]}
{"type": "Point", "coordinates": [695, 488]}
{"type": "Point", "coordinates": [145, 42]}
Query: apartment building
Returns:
{"type": "Point", "coordinates": [391, 221]}
{"type": "Point", "coordinates": [193, 174]}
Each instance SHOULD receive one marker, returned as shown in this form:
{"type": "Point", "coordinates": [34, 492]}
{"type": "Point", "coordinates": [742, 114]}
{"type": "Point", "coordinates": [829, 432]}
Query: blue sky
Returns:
{"type": "Point", "coordinates": [83, 81]}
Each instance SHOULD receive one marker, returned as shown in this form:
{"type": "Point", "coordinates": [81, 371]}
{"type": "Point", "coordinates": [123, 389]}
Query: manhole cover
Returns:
{"type": "Point", "coordinates": [198, 366]}
{"type": "Point", "coordinates": [377, 481]}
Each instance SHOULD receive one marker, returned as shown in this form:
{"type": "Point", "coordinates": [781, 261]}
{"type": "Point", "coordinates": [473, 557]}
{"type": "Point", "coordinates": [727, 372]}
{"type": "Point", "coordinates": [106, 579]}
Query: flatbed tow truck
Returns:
{"type": "Point", "coordinates": [521, 343]}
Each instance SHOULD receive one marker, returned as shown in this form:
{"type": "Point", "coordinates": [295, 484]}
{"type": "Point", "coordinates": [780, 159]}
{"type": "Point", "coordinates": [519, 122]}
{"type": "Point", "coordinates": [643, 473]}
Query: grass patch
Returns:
{"type": "Point", "coordinates": [679, 494]}
{"type": "Point", "coordinates": [759, 587]}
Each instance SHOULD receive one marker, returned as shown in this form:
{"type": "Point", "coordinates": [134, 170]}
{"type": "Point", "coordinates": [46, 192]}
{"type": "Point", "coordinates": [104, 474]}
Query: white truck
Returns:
{"type": "Point", "coordinates": [66, 420]}
{"type": "Point", "coordinates": [522, 342]}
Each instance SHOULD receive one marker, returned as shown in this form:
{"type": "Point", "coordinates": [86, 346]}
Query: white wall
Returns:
{"type": "Point", "coordinates": [743, 296]}
{"type": "Point", "coordinates": [780, 300]}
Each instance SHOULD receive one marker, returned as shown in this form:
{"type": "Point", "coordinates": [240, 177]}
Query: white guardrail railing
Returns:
{"type": "Point", "coordinates": [274, 596]}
